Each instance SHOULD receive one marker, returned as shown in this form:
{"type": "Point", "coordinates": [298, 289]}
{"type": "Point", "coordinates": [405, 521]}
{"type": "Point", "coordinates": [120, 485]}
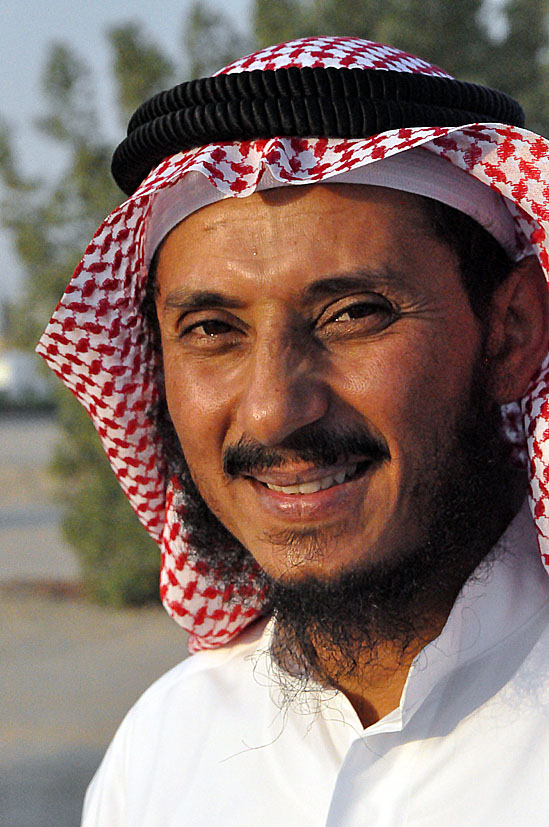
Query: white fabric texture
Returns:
{"type": "Point", "coordinates": [469, 745]}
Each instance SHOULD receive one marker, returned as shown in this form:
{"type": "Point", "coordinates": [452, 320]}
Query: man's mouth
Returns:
{"type": "Point", "coordinates": [322, 479]}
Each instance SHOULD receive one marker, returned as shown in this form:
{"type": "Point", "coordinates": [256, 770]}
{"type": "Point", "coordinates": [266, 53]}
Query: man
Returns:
{"type": "Point", "coordinates": [319, 345]}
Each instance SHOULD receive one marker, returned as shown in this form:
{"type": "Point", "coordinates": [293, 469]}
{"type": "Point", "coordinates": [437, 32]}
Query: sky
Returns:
{"type": "Point", "coordinates": [29, 27]}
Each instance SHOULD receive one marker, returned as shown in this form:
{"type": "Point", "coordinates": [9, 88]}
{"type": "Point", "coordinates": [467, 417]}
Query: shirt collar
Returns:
{"type": "Point", "coordinates": [508, 588]}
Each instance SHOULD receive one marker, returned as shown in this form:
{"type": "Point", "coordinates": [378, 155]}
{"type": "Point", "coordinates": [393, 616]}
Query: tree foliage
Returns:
{"type": "Point", "coordinates": [51, 222]}
{"type": "Point", "coordinates": [519, 64]}
{"type": "Point", "coordinates": [139, 67]}
{"type": "Point", "coordinates": [210, 41]}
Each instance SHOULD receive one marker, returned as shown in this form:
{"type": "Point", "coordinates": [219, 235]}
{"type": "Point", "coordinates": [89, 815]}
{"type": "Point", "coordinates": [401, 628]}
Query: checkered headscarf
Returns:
{"type": "Point", "coordinates": [98, 342]}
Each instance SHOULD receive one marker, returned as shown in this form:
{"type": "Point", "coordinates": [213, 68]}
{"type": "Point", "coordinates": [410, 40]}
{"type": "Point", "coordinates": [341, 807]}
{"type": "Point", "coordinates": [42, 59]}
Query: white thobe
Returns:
{"type": "Point", "coordinates": [209, 745]}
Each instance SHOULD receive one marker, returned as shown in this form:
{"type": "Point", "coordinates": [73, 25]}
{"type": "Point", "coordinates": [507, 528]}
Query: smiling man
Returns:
{"type": "Point", "coordinates": [305, 357]}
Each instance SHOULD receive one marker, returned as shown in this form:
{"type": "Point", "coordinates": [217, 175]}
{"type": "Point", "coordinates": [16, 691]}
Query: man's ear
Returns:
{"type": "Point", "coordinates": [518, 339]}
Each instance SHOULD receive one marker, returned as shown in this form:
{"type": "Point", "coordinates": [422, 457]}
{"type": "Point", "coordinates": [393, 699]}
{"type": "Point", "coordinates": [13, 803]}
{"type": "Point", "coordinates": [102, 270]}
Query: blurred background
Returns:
{"type": "Point", "coordinates": [82, 632]}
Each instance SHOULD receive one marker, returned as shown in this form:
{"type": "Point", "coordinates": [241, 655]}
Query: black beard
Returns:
{"type": "Point", "coordinates": [350, 617]}
{"type": "Point", "coordinates": [464, 505]}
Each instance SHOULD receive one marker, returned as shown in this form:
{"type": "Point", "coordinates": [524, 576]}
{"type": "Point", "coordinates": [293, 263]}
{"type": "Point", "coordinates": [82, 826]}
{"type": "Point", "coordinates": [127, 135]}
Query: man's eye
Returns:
{"type": "Point", "coordinates": [213, 328]}
{"type": "Point", "coordinates": [209, 328]}
{"type": "Point", "coordinates": [359, 311]}
{"type": "Point", "coordinates": [355, 318]}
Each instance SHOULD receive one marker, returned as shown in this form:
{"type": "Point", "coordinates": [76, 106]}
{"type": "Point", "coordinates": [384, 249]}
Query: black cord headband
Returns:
{"type": "Point", "coordinates": [302, 102]}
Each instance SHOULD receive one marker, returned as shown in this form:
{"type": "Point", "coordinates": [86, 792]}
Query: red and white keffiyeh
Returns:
{"type": "Point", "coordinates": [98, 343]}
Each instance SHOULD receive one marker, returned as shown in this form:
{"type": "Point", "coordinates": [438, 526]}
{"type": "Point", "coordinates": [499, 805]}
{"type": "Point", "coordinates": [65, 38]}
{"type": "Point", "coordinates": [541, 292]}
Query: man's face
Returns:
{"type": "Point", "coordinates": [319, 351]}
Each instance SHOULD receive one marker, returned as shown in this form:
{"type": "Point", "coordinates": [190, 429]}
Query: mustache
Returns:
{"type": "Point", "coordinates": [320, 446]}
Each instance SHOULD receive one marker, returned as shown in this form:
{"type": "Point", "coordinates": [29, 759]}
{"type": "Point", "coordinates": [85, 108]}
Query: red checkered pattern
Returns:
{"type": "Point", "coordinates": [348, 52]}
{"type": "Point", "coordinates": [98, 343]}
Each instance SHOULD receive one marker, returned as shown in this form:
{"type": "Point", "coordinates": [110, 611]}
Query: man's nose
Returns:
{"type": "Point", "coordinates": [284, 389]}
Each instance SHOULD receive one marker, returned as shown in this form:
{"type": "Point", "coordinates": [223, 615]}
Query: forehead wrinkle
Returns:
{"type": "Point", "coordinates": [214, 223]}
{"type": "Point", "coordinates": [268, 215]}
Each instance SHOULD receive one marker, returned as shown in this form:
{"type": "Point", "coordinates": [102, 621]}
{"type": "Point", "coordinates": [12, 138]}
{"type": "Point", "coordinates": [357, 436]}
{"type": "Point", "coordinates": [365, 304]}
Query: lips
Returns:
{"type": "Point", "coordinates": [293, 494]}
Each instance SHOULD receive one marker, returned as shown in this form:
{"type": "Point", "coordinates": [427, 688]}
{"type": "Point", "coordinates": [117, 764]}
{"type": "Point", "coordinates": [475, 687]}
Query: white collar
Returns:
{"type": "Point", "coordinates": [503, 594]}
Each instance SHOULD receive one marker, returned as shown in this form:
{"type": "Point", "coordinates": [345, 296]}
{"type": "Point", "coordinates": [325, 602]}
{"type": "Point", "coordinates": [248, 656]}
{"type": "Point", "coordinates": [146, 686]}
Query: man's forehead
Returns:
{"type": "Point", "coordinates": [324, 201]}
{"type": "Point", "coordinates": [308, 243]}
{"type": "Point", "coordinates": [415, 171]}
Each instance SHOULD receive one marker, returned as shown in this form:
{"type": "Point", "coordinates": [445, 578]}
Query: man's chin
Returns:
{"type": "Point", "coordinates": [318, 554]}
{"type": "Point", "coordinates": [349, 611]}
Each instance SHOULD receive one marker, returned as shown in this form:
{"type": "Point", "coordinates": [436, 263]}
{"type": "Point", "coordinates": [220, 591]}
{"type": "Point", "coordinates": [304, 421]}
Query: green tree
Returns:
{"type": "Point", "coordinates": [210, 41]}
{"type": "Point", "coordinates": [520, 62]}
{"type": "Point", "coordinates": [277, 22]}
{"type": "Point", "coordinates": [139, 67]}
{"type": "Point", "coordinates": [51, 223]}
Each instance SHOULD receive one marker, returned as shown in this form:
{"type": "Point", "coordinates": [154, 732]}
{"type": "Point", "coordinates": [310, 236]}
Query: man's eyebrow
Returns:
{"type": "Point", "coordinates": [349, 282]}
{"type": "Point", "coordinates": [198, 300]}
{"type": "Point", "coordinates": [323, 288]}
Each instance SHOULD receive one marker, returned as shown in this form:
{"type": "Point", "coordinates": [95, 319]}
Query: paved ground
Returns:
{"type": "Point", "coordinates": [69, 670]}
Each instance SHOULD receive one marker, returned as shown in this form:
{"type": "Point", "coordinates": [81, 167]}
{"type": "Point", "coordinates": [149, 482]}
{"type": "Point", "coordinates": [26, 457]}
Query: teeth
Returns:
{"type": "Point", "coordinates": [315, 485]}
{"type": "Point", "coordinates": [310, 487]}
